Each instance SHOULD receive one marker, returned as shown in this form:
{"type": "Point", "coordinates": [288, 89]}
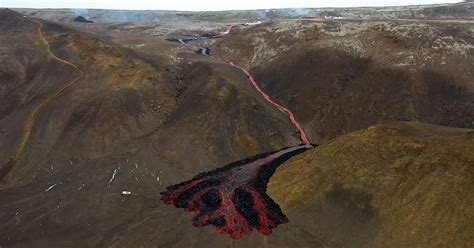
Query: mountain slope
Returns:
{"type": "Point", "coordinates": [395, 185]}
{"type": "Point", "coordinates": [135, 122]}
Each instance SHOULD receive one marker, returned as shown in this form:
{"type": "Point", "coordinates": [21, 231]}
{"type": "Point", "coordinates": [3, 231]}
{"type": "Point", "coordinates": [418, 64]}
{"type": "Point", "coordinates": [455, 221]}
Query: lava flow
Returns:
{"type": "Point", "coordinates": [267, 97]}
{"type": "Point", "coordinates": [233, 198]}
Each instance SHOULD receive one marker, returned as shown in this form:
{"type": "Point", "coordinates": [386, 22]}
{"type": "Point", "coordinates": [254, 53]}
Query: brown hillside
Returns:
{"type": "Point", "coordinates": [405, 184]}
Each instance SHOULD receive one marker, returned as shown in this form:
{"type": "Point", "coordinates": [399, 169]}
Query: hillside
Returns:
{"type": "Point", "coordinates": [128, 116]}
{"type": "Point", "coordinates": [404, 184]}
{"type": "Point", "coordinates": [356, 74]}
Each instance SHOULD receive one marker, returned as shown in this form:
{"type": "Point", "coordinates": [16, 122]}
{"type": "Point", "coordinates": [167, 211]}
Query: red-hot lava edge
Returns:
{"type": "Point", "coordinates": [233, 198]}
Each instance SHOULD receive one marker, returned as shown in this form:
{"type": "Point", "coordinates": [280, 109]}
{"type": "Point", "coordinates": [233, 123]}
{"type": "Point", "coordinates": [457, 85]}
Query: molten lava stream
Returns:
{"type": "Point", "coordinates": [233, 198]}
{"type": "Point", "coordinates": [303, 136]}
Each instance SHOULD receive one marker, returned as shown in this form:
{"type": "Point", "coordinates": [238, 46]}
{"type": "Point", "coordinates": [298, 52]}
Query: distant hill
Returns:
{"type": "Point", "coordinates": [443, 11]}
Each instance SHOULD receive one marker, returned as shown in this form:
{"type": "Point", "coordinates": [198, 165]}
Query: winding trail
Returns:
{"type": "Point", "coordinates": [30, 123]}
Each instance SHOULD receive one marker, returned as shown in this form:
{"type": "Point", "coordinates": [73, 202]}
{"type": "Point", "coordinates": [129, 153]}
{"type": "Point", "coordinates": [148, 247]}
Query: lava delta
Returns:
{"type": "Point", "coordinates": [233, 198]}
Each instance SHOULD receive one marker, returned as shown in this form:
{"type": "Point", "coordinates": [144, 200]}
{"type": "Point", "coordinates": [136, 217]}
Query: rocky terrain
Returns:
{"type": "Point", "coordinates": [150, 113]}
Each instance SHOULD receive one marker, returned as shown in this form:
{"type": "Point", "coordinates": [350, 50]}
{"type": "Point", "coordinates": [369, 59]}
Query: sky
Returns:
{"type": "Point", "coordinates": [195, 5]}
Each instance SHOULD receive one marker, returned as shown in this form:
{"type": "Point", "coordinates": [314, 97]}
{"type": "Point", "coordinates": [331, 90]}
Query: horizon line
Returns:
{"type": "Point", "coordinates": [238, 9]}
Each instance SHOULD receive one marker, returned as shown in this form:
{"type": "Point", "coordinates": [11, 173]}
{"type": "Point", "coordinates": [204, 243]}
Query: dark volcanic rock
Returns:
{"type": "Point", "coordinates": [82, 19]}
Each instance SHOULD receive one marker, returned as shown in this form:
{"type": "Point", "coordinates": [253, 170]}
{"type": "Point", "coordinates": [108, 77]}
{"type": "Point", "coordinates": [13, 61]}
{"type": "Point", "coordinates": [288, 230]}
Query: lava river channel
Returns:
{"type": "Point", "coordinates": [233, 198]}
